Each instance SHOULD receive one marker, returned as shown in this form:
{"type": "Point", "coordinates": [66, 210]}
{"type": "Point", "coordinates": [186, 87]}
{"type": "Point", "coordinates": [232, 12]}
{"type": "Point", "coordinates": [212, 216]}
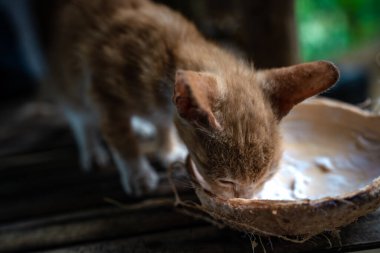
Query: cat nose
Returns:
{"type": "Point", "coordinates": [233, 189]}
{"type": "Point", "coordinates": [245, 193]}
{"type": "Point", "coordinates": [237, 193]}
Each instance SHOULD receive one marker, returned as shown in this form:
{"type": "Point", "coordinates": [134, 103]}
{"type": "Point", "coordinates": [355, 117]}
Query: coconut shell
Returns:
{"type": "Point", "coordinates": [310, 128]}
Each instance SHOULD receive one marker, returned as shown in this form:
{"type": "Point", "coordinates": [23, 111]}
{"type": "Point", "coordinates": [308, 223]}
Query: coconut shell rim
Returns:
{"type": "Point", "coordinates": [353, 204]}
{"type": "Point", "coordinates": [372, 189]}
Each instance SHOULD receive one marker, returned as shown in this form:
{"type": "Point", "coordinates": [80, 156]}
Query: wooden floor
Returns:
{"type": "Point", "coordinates": [47, 204]}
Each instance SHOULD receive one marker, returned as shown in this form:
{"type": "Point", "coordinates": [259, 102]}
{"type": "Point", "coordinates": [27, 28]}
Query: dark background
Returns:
{"type": "Point", "coordinates": [269, 33]}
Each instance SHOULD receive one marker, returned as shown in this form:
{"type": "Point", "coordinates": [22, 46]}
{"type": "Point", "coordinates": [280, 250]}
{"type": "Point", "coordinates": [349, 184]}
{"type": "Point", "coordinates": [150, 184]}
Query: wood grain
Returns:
{"type": "Point", "coordinates": [47, 204]}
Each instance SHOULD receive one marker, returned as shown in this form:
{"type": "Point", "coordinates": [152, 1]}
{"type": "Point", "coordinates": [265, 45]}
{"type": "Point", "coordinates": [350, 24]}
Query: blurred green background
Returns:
{"type": "Point", "coordinates": [329, 29]}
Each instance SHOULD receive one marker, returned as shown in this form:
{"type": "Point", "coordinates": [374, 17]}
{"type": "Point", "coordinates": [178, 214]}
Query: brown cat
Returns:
{"type": "Point", "coordinates": [113, 60]}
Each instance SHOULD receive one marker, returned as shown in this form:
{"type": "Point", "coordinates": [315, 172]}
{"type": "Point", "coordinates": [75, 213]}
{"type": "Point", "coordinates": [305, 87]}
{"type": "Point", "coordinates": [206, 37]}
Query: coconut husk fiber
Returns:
{"type": "Point", "coordinates": [329, 176]}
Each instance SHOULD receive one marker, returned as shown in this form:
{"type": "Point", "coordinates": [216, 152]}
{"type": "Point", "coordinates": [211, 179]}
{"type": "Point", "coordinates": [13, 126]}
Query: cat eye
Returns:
{"type": "Point", "coordinates": [226, 183]}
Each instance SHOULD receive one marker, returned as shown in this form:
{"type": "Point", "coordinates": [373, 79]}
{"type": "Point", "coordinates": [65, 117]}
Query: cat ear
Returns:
{"type": "Point", "coordinates": [194, 95]}
{"type": "Point", "coordinates": [288, 86]}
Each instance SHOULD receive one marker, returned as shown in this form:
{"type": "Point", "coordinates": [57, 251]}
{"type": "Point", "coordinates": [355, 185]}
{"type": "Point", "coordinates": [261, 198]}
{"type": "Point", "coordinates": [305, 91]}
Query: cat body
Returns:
{"type": "Point", "coordinates": [113, 60]}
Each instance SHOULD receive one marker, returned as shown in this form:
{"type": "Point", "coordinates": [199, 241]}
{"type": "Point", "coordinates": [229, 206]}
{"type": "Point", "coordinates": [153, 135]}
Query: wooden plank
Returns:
{"type": "Point", "coordinates": [361, 235]}
{"type": "Point", "coordinates": [196, 239]}
{"type": "Point", "coordinates": [28, 125]}
{"type": "Point", "coordinates": [33, 172]}
{"type": "Point", "coordinates": [93, 226]}
{"type": "Point", "coordinates": [53, 183]}
{"type": "Point", "coordinates": [211, 239]}
{"type": "Point", "coordinates": [83, 195]}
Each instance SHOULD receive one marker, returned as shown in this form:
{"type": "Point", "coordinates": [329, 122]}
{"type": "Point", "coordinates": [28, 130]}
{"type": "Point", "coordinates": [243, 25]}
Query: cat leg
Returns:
{"type": "Point", "coordinates": [170, 148]}
{"type": "Point", "coordinates": [99, 150]}
{"type": "Point", "coordinates": [137, 175]}
{"type": "Point", "coordinates": [90, 146]}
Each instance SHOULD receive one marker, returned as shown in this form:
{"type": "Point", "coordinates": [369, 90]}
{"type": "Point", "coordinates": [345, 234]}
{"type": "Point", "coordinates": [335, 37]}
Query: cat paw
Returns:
{"type": "Point", "coordinates": [178, 153]}
{"type": "Point", "coordinates": [97, 155]}
{"type": "Point", "coordinates": [143, 183]}
{"type": "Point", "coordinates": [101, 156]}
{"type": "Point", "coordinates": [137, 177]}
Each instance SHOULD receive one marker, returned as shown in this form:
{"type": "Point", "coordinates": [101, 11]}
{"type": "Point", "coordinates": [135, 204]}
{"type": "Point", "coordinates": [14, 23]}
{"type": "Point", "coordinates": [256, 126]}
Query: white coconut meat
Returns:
{"type": "Point", "coordinates": [328, 151]}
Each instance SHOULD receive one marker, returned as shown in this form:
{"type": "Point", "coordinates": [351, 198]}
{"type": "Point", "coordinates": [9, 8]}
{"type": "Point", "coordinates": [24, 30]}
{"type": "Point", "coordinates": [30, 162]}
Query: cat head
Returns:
{"type": "Point", "coordinates": [230, 122]}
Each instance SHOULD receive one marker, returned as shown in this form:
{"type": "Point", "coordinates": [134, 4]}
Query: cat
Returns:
{"type": "Point", "coordinates": [113, 60]}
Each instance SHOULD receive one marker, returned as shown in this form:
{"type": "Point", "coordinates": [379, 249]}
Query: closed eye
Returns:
{"type": "Point", "coordinates": [226, 183]}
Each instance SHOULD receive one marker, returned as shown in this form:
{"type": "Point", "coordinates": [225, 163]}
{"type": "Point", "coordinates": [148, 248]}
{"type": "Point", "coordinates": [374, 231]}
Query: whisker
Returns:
{"type": "Point", "coordinates": [183, 183]}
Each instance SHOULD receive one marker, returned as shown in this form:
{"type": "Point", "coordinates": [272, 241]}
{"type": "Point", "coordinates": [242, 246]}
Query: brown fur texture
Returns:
{"type": "Point", "coordinates": [115, 59]}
